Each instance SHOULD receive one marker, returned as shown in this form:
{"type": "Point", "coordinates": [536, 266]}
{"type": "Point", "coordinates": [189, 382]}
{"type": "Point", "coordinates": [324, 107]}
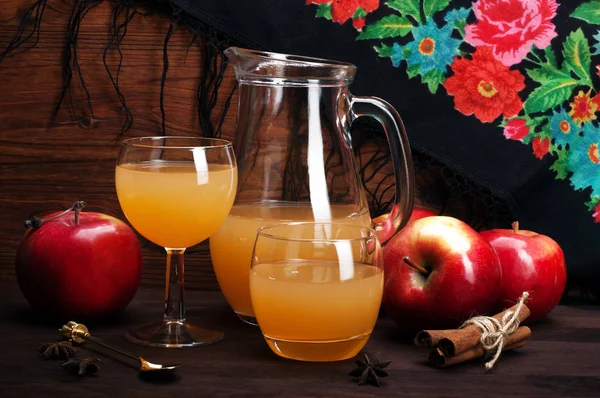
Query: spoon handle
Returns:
{"type": "Point", "coordinates": [79, 333]}
{"type": "Point", "coordinates": [110, 347]}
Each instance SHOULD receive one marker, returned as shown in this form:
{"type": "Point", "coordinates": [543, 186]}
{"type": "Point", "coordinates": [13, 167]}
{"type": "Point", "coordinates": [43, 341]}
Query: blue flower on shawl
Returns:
{"type": "Point", "coordinates": [454, 16]}
{"type": "Point", "coordinates": [397, 54]}
{"type": "Point", "coordinates": [563, 128]}
{"type": "Point", "coordinates": [597, 46]}
{"type": "Point", "coordinates": [584, 159]}
{"type": "Point", "coordinates": [432, 47]}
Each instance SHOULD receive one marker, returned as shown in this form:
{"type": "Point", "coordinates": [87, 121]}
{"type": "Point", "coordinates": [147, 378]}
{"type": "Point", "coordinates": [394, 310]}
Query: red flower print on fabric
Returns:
{"type": "Point", "coordinates": [594, 153]}
{"type": "Point", "coordinates": [596, 214]}
{"type": "Point", "coordinates": [583, 108]}
{"type": "Point", "coordinates": [343, 10]}
{"type": "Point", "coordinates": [516, 129]}
{"type": "Point", "coordinates": [511, 27]}
{"type": "Point", "coordinates": [358, 23]}
{"type": "Point", "coordinates": [484, 87]}
{"type": "Point", "coordinates": [540, 146]}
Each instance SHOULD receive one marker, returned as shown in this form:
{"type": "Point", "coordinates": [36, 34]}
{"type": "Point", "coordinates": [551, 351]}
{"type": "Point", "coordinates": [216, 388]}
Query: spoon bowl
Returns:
{"type": "Point", "coordinates": [146, 366]}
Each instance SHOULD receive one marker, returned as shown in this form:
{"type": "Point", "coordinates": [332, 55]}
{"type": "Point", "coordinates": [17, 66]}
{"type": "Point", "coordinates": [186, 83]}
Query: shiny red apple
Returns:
{"type": "Point", "coordinates": [386, 228]}
{"type": "Point", "coordinates": [79, 265]}
{"type": "Point", "coordinates": [530, 262]}
{"type": "Point", "coordinates": [438, 273]}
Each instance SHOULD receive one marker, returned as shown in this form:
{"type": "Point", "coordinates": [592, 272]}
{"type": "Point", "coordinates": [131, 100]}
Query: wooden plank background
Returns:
{"type": "Point", "coordinates": [44, 169]}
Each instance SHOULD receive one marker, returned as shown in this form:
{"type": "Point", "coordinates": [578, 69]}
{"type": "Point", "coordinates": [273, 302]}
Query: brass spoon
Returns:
{"type": "Point", "coordinates": [79, 333]}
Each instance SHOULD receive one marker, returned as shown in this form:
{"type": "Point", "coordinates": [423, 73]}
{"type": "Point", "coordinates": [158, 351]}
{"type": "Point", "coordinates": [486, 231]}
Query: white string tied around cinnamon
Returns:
{"type": "Point", "coordinates": [494, 333]}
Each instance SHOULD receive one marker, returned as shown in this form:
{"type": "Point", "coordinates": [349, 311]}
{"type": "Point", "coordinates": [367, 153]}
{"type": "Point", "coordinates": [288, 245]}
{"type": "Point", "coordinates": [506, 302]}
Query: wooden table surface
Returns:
{"type": "Point", "coordinates": [560, 360]}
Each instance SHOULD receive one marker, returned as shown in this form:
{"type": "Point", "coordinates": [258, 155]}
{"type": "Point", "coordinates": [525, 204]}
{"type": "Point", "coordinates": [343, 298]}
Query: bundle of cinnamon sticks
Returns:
{"type": "Point", "coordinates": [453, 346]}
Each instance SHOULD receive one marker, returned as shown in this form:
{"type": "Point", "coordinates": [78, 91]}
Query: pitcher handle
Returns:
{"type": "Point", "coordinates": [404, 174]}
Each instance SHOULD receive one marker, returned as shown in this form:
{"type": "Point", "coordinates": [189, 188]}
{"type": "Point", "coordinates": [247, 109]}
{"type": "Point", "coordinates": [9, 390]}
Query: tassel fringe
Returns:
{"type": "Point", "coordinates": [28, 33]}
{"type": "Point", "coordinates": [365, 132]}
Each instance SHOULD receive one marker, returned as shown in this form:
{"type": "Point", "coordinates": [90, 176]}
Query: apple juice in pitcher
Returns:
{"type": "Point", "coordinates": [231, 246]}
{"type": "Point", "coordinates": [296, 159]}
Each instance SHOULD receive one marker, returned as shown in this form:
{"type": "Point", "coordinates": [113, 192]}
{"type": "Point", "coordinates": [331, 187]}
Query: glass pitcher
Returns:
{"type": "Point", "coordinates": [295, 157]}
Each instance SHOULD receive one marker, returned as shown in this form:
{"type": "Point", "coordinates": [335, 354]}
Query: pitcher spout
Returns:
{"type": "Point", "coordinates": [262, 67]}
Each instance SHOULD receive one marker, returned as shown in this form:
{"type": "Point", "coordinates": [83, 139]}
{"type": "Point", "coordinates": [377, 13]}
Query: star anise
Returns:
{"type": "Point", "coordinates": [369, 372]}
{"type": "Point", "coordinates": [57, 350]}
{"type": "Point", "coordinates": [83, 366]}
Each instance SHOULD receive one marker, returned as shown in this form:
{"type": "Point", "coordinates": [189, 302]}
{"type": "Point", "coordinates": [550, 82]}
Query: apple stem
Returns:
{"type": "Point", "coordinates": [515, 227]}
{"type": "Point", "coordinates": [417, 267]}
{"type": "Point", "coordinates": [77, 206]}
{"type": "Point", "coordinates": [36, 222]}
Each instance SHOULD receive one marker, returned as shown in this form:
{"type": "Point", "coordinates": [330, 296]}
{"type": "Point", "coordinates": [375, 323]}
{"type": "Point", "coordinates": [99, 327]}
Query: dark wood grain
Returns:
{"type": "Point", "coordinates": [560, 360]}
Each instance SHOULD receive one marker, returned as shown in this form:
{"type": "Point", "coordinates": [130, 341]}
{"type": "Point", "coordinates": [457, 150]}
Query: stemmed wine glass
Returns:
{"type": "Point", "coordinates": [176, 192]}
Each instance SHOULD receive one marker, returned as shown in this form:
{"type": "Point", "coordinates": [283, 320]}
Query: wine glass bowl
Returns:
{"type": "Point", "coordinates": [176, 192]}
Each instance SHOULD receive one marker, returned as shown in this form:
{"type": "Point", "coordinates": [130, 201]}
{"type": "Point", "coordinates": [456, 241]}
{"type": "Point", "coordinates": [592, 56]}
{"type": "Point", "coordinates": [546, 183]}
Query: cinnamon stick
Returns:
{"type": "Point", "coordinates": [431, 338]}
{"type": "Point", "coordinates": [516, 340]}
{"type": "Point", "coordinates": [437, 358]}
{"type": "Point", "coordinates": [457, 341]}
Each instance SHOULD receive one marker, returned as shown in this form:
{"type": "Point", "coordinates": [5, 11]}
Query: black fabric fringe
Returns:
{"type": "Point", "coordinates": [365, 132]}
{"type": "Point", "coordinates": [21, 41]}
{"type": "Point", "coordinates": [215, 65]}
{"type": "Point", "coordinates": [485, 209]}
{"type": "Point", "coordinates": [27, 37]}
{"type": "Point", "coordinates": [116, 34]}
{"type": "Point", "coordinates": [70, 60]}
{"type": "Point", "coordinates": [163, 79]}
{"type": "Point", "coordinates": [455, 194]}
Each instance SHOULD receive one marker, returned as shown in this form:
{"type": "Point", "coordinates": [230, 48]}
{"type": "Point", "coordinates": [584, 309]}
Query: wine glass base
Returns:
{"type": "Point", "coordinates": [250, 320]}
{"type": "Point", "coordinates": [172, 334]}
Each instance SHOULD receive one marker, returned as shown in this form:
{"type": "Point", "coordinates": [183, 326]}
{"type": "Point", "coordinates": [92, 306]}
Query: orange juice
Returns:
{"type": "Point", "coordinates": [172, 203]}
{"type": "Point", "coordinates": [231, 246]}
{"type": "Point", "coordinates": [307, 312]}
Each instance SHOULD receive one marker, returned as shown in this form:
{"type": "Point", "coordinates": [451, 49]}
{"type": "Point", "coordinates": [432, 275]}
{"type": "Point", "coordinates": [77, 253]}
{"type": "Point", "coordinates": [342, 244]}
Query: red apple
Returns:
{"type": "Point", "coordinates": [530, 262]}
{"type": "Point", "coordinates": [438, 273]}
{"type": "Point", "coordinates": [386, 229]}
{"type": "Point", "coordinates": [82, 266]}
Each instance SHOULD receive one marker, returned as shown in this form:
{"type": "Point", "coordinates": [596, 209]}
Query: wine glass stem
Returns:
{"type": "Point", "coordinates": [174, 290]}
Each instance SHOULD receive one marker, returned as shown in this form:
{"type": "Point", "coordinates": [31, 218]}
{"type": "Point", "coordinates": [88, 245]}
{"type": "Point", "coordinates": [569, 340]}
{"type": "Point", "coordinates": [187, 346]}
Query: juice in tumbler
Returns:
{"type": "Point", "coordinates": [307, 312]}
